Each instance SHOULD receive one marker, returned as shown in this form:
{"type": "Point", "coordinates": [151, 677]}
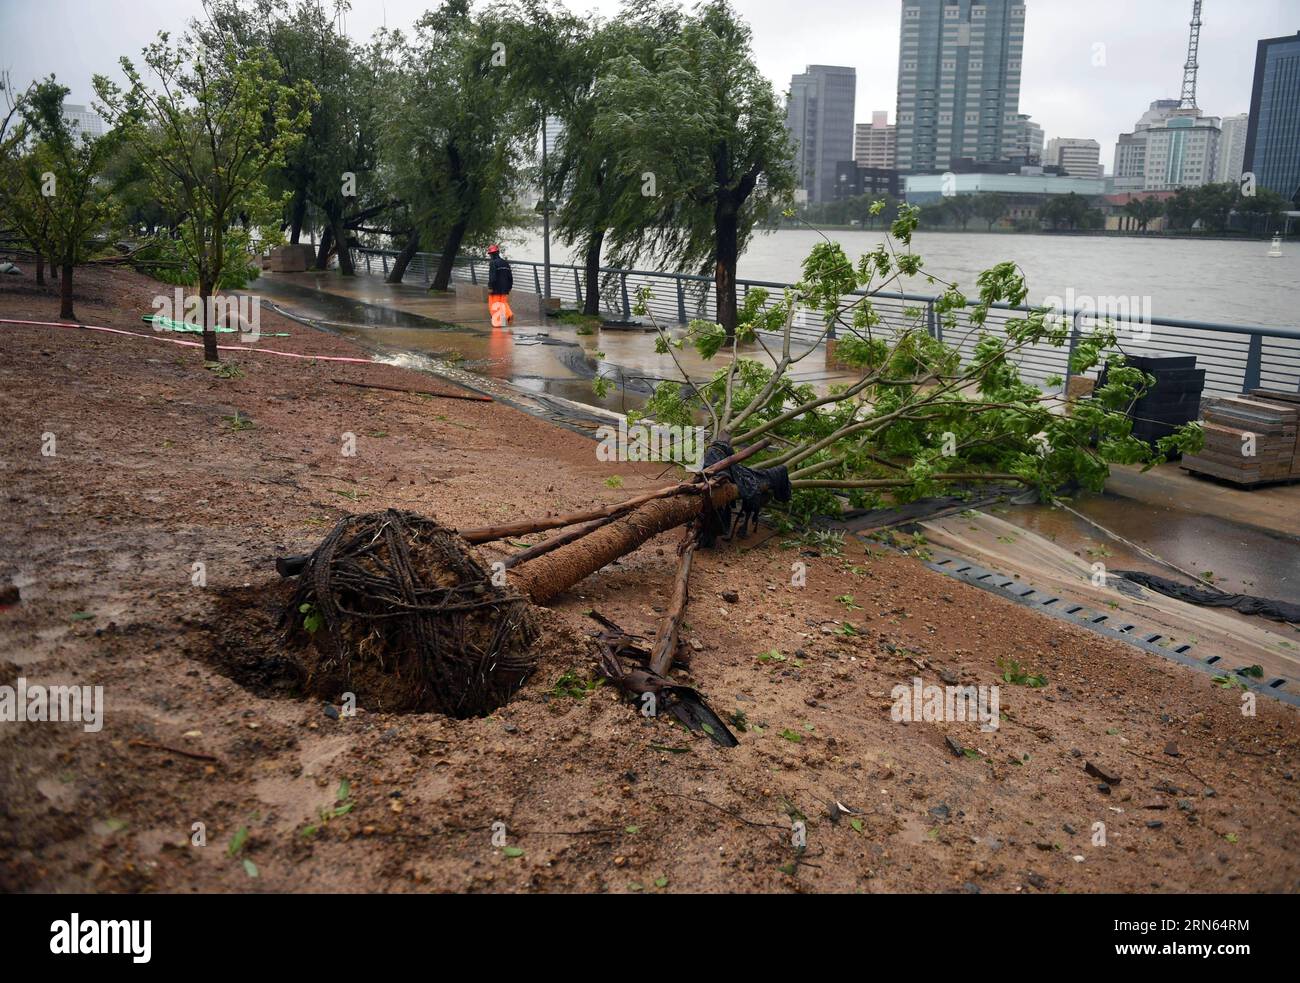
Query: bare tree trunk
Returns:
{"type": "Point", "coordinates": [403, 259]}
{"type": "Point", "coordinates": [210, 353]}
{"type": "Point", "coordinates": [550, 575]}
{"type": "Point", "coordinates": [591, 305]}
{"type": "Point", "coordinates": [341, 246]}
{"type": "Point", "coordinates": [323, 253]}
{"type": "Point", "coordinates": [297, 215]}
{"type": "Point", "coordinates": [450, 247]}
{"type": "Point", "coordinates": [40, 269]}
{"type": "Point", "coordinates": [65, 294]}
{"type": "Point", "coordinates": [725, 221]}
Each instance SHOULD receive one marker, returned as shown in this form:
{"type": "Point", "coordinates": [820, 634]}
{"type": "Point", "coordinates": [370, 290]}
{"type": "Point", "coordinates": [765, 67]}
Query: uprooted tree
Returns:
{"type": "Point", "coordinates": [920, 421]}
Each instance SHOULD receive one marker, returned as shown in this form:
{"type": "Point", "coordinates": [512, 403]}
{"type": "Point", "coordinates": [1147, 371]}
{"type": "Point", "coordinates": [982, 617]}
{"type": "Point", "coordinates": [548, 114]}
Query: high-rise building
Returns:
{"type": "Point", "coordinates": [1181, 151]}
{"type": "Point", "coordinates": [1030, 145]}
{"type": "Point", "coordinates": [1077, 158]}
{"type": "Point", "coordinates": [1272, 151]}
{"type": "Point", "coordinates": [82, 120]}
{"type": "Point", "coordinates": [819, 115]}
{"type": "Point", "coordinates": [554, 134]}
{"type": "Point", "coordinates": [959, 82]}
{"type": "Point", "coordinates": [1232, 149]}
{"type": "Point", "coordinates": [874, 143]}
{"type": "Point", "coordinates": [1131, 148]}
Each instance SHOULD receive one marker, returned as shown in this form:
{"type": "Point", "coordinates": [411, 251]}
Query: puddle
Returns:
{"type": "Point", "coordinates": [1242, 559]}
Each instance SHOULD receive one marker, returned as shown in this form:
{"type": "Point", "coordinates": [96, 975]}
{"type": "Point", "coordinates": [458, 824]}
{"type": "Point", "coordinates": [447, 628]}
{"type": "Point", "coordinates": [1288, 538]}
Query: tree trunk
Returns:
{"type": "Point", "coordinates": [297, 215]}
{"type": "Point", "coordinates": [346, 267]}
{"type": "Point", "coordinates": [210, 353]}
{"type": "Point", "coordinates": [591, 305]}
{"type": "Point", "coordinates": [323, 253]}
{"type": "Point", "coordinates": [403, 259]}
{"type": "Point", "coordinates": [725, 221]}
{"type": "Point", "coordinates": [40, 269]}
{"type": "Point", "coordinates": [550, 575]}
{"type": "Point", "coordinates": [65, 295]}
{"type": "Point", "coordinates": [450, 247]}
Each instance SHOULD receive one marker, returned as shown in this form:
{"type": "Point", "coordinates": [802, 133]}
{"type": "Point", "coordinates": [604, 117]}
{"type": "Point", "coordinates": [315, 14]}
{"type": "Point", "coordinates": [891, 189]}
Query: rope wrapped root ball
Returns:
{"type": "Point", "coordinates": [394, 608]}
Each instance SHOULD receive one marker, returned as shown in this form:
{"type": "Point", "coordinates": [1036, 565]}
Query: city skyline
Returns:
{"type": "Point", "coordinates": [1143, 48]}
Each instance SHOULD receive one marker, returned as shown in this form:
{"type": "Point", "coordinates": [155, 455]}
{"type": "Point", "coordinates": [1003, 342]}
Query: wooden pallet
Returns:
{"type": "Point", "coordinates": [1269, 420]}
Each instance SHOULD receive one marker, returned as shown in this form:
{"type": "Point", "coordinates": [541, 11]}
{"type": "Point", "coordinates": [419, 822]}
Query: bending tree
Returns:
{"type": "Point", "coordinates": [204, 140]}
{"type": "Point", "coordinates": [703, 129]}
{"type": "Point", "coordinates": [451, 129]}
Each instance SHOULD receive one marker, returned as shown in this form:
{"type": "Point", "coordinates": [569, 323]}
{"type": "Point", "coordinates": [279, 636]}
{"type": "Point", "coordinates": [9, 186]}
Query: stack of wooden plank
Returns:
{"type": "Point", "coordinates": [1262, 421]}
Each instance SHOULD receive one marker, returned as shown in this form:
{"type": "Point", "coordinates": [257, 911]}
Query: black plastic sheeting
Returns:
{"type": "Point", "coordinates": [756, 487]}
{"type": "Point", "coordinates": [1245, 603]}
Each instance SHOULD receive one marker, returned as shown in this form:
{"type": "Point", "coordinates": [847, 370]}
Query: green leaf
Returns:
{"type": "Point", "coordinates": [512, 851]}
{"type": "Point", "coordinates": [250, 868]}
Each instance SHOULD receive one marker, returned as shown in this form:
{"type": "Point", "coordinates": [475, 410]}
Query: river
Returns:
{"type": "Point", "coordinates": [1222, 281]}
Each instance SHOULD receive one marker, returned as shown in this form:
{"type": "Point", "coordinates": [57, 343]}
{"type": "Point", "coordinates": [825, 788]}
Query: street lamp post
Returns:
{"type": "Point", "coordinates": [546, 223]}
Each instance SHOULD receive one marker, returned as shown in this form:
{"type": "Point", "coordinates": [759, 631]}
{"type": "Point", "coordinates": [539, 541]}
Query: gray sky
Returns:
{"type": "Point", "coordinates": [1145, 47]}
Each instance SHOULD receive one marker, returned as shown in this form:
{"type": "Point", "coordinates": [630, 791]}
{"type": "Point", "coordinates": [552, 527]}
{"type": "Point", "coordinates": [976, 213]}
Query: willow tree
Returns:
{"type": "Point", "coordinates": [451, 128]}
{"type": "Point", "coordinates": [706, 132]}
{"type": "Point", "coordinates": [207, 138]}
{"type": "Point", "coordinates": [557, 64]}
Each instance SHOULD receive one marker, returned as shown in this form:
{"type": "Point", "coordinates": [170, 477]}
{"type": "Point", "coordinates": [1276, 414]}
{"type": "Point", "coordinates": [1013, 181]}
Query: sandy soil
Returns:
{"type": "Point", "coordinates": [150, 477]}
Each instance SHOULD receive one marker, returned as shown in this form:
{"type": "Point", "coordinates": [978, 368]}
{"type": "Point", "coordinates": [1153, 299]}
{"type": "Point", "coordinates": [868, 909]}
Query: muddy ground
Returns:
{"type": "Point", "coordinates": [153, 473]}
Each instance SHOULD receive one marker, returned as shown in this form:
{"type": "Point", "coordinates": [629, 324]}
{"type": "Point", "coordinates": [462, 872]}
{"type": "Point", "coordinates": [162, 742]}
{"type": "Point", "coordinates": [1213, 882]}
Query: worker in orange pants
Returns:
{"type": "Point", "coordinates": [500, 282]}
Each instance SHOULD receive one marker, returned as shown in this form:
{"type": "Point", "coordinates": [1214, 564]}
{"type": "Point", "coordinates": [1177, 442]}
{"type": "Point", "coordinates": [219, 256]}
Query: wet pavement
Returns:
{"type": "Point", "coordinates": [549, 358]}
{"type": "Point", "coordinates": [1238, 558]}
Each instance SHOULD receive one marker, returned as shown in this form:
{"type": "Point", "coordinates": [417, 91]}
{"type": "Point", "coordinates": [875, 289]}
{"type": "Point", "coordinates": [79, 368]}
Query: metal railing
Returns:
{"type": "Point", "coordinates": [1236, 357]}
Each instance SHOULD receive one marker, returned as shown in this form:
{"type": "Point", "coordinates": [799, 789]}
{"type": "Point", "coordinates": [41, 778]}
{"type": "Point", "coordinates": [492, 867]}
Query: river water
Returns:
{"type": "Point", "coordinates": [1221, 281]}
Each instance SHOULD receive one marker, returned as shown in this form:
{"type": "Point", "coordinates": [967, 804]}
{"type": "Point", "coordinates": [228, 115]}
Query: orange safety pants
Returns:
{"type": "Point", "coordinates": [499, 309]}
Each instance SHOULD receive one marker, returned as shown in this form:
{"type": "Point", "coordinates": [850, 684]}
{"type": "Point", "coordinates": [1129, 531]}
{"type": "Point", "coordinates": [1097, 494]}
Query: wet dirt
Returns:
{"type": "Point", "coordinates": [151, 477]}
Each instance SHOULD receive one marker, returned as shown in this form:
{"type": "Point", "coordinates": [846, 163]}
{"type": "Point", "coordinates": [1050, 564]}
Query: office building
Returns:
{"type": "Point", "coordinates": [82, 120]}
{"type": "Point", "coordinates": [853, 180]}
{"type": "Point", "coordinates": [1077, 158]}
{"type": "Point", "coordinates": [1272, 151]}
{"type": "Point", "coordinates": [1030, 146]}
{"type": "Point", "coordinates": [1232, 149]}
{"type": "Point", "coordinates": [1131, 148]}
{"type": "Point", "coordinates": [958, 82]}
{"type": "Point", "coordinates": [819, 115]}
{"type": "Point", "coordinates": [1181, 151]}
{"type": "Point", "coordinates": [875, 142]}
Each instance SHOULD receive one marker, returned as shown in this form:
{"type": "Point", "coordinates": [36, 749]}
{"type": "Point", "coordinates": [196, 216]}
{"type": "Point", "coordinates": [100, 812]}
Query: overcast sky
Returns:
{"type": "Point", "coordinates": [1145, 45]}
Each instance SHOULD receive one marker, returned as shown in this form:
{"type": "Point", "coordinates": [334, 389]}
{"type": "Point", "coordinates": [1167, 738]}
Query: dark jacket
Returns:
{"type": "Point", "coordinates": [500, 279]}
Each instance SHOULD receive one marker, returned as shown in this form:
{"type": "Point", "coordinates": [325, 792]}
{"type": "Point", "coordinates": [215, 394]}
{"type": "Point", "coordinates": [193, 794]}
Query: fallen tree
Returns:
{"type": "Point", "coordinates": [919, 421]}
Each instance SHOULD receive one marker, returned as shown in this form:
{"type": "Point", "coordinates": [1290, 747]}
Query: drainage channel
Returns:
{"type": "Point", "coordinates": [1062, 608]}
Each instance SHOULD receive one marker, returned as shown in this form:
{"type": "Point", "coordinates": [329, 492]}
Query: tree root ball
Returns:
{"type": "Point", "coordinates": [395, 608]}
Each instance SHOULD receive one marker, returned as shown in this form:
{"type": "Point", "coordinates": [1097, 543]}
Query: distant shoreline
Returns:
{"type": "Point", "coordinates": [1089, 233]}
